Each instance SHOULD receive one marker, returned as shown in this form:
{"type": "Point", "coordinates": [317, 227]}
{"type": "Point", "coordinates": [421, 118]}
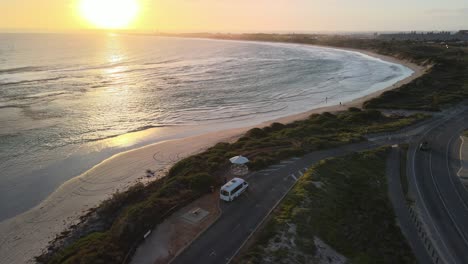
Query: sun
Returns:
{"type": "Point", "coordinates": [109, 14]}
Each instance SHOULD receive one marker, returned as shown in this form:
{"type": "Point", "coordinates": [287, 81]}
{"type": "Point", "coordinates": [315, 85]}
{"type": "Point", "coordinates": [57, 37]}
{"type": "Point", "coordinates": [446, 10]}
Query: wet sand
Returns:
{"type": "Point", "coordinates": [26, 235]}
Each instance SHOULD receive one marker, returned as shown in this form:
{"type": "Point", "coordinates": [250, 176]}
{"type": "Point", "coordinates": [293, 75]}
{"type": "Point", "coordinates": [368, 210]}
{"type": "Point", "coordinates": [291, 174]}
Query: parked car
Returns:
{"type": "Point", "coordinates": [424, 146]}
{"type": "Point", "coordinates": [233, 189]}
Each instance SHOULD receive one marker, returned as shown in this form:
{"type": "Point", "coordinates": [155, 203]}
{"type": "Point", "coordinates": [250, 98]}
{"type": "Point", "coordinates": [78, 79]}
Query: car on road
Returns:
{"type": "Point", "coordinates": [233, 189]}
{"type": "Point", "coordinates": [424, 146]}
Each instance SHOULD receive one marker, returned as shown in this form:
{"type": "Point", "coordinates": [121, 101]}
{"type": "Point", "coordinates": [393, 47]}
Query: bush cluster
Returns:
{"type": "Point", "coordinates": [349, 210]}
{"type": "Point", "coordinates": [130, 214]}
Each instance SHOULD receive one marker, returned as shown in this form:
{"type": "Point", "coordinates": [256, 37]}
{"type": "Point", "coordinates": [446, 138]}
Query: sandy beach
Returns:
{"type": "Point", "coordinates": [25, 235]}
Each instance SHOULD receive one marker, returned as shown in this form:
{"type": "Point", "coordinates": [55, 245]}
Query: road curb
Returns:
{"type": "Point", "coordinates": [261, 222]}
{"type": "Point", "coordinates": [421, 208]}
{"type": "Point", "coordinates": [180, 251]}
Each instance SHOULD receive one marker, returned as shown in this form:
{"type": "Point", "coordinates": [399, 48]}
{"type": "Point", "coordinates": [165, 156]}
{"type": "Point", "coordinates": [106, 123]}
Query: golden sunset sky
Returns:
{"type": "Point", "coordinates": [241, 15]}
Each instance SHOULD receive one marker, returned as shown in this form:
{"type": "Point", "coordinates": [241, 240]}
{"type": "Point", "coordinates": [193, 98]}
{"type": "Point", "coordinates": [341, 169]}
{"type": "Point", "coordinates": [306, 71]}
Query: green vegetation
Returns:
{"type": "Point", "coordinates": [344, 202]}
{"type": "Point", "coordinates": [444, 84]}
{"type": "Point", "coordinates": [465, 133]}
{"type": "Point", "coordinates": [128, 215]}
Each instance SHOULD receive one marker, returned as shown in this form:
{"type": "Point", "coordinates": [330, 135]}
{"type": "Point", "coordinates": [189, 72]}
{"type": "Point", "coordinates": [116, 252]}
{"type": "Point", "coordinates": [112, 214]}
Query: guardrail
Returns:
{"type": "Point", "coordinates": [424, 237]}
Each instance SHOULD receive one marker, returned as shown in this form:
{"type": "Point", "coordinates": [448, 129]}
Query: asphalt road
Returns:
{"type": "Point", "coordinates": [398, 199]}
{"type": "Point", "coordinates": [240, 218]}
{"type": "Point", "coordinates": [439, 193]}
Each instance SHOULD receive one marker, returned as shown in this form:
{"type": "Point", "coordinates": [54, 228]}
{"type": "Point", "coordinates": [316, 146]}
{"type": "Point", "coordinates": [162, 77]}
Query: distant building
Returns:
{"type": "Point", "coordinates": [461, 35]}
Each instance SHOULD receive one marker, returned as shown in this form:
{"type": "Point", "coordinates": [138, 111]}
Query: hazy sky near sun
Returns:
{"type": "Point", "coordinates": [249, 15]}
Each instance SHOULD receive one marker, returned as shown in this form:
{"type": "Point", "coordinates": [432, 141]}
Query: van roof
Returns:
{"type": "Point", "coordinates": [229, 186]}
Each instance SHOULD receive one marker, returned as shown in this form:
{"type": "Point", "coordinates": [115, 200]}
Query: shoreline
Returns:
{"type": "Point", "coordinates": [33, 230]}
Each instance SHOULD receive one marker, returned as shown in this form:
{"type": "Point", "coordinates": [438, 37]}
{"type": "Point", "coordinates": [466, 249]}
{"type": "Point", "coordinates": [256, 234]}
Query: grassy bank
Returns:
{"type": "Point", "coordinates": [343, 201]}
{"type": "Point", "coordinates": [121, 221]}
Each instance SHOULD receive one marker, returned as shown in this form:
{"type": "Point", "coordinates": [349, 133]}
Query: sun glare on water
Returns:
{"type": "Point", "coordinates": [109, 14]}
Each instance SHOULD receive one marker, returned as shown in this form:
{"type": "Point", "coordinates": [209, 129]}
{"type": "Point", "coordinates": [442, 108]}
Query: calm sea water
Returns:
{"type": "Point", "coordinates": [63, 93]}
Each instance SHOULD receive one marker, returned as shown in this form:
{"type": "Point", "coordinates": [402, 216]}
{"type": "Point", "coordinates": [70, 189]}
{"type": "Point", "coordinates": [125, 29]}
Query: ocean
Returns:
{"type": "Point", "coordinates": [67, 100]}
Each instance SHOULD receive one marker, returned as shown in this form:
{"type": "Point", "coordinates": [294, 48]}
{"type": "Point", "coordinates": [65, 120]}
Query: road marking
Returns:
{"type": "Point", "coordinates": [460, 156]}
{"type": "Point", "coordinates": [276, 167]}
{"type": "Point", "coordinates": [294, 177]}
{"type": "Point", "coordinates": [437, 124]}
{"type": "Point", "coordinates": [301, 173]}
{"type": "Point", "coordinates": [287, 162]}
{"type": "Point", "coordinates": [443, 202]}
{"type": "Point", "coordinates": [213, 253]}
{"type": "Point", "coordinates": [450, 172]}
{"type": "Point", "coordinates": [259, 224]}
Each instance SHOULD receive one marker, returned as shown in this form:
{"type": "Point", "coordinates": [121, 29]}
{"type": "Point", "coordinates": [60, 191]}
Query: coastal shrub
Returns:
{"type": "Point", "coordinates": [130, 214]}
{"type": "Point", "coordinates": [221, 146]}
{"type": "Point", "coordinates": [182, 167]}
{"type": "Point", "coordinates": [289, 152]}
{"type": "Point", "coordinates": [349, 210]}
{"type": "Point", "coordinates": [119, 199]}
{"type": "Point", "coordinates": [260, 162]}
{"type": "Point", "coordinates": [274, 127]}
{"type": "Point", "coordinates": [256, 133]}
{"type": "Point", "coordinates": [444, 84]}
{"type": "Point", "coordinates": [201, 182]}
{"type": "Point", "coordinates": [354, 109]}
{"type": "Point", "coordinates": [69, 254]}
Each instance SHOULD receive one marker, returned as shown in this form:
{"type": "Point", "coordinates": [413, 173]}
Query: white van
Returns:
{"type": "Point", "coordinates": [233, 189]}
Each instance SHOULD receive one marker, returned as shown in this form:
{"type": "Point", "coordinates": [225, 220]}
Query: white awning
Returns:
{"type": "Point", "coordinates": [239, 160]}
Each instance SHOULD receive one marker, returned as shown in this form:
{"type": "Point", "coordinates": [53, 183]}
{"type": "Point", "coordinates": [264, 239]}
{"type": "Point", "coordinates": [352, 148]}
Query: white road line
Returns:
{"type": "Point", "coordinates": [461, 156]}
{"type": "Point", "coordinates": [447, 154]}
{"type": "Point", "coordinates": [443, 202]}
{"type": "Point", "coordinates": [437, 123]}
{"type": "Point", "coordinates": [277, 166]}
{"type": "Point", "coordinates": [261, 222]}
{"type": "Point", "coordinates": [294, 177]}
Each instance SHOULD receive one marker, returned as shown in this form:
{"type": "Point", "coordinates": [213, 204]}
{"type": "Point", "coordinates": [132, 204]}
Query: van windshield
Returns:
{"type": "Point", "coordinates": [224, 192]}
